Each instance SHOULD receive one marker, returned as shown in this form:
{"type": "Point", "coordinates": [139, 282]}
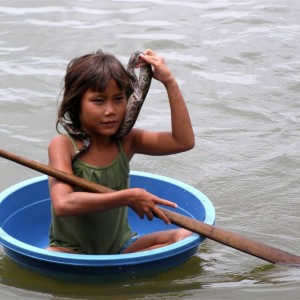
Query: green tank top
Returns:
{"type": "Point", "coordinates": [99, 233]}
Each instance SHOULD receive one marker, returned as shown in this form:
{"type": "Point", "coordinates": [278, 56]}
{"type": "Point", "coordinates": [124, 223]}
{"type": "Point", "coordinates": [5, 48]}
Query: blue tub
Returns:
{"type": "Point", "coordinates": [25, 219]}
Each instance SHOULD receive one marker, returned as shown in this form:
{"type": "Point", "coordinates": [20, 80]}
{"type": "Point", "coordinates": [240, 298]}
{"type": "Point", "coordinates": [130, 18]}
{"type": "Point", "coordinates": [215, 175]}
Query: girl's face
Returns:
{"type": "Point", "coordinates": [102, 113]}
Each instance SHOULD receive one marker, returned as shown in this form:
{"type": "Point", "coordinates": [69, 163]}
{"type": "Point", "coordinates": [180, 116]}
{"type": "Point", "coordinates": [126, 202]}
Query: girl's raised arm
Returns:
{"type": "Point", "coordinates": [181, 137]}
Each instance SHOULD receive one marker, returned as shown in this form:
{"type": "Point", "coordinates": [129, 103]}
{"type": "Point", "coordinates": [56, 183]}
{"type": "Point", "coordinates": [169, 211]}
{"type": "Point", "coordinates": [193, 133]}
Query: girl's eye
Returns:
{"type": "Point", "coordinates": [120, 98]}
{"type": "Point", "coordinates": [98, 100]}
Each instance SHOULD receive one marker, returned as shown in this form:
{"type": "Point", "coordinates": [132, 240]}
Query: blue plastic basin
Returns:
{"type": "Point", "coordinates": [25, 218]}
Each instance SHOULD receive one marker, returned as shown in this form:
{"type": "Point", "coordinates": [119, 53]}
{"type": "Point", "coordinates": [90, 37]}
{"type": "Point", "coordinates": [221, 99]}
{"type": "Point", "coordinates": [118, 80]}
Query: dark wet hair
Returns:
{"type": "Point", "coordinates": [91, 71]}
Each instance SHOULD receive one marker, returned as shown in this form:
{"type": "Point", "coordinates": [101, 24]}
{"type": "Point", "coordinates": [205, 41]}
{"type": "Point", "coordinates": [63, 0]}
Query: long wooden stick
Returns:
{"type": "Point", "coordinates": [227, 238]}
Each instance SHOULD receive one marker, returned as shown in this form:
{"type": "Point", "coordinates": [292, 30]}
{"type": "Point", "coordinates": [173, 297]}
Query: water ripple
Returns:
{"type": "Point", "coordinates": [188, 4]}
{"type": "Point", "coordinates": [4, 50]}
{"type": "Point", "coordinates": [15, 11]}
{"type": "Point", "coordinates": [151, 36]}
{"type": "Point", "coordinates": [94, 25]}
{"type": "Point", "coordinates": [229, 77]}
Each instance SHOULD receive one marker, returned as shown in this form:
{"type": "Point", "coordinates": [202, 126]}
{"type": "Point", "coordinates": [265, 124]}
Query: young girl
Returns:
{"type": "Point", "coordinates": [94, 101]}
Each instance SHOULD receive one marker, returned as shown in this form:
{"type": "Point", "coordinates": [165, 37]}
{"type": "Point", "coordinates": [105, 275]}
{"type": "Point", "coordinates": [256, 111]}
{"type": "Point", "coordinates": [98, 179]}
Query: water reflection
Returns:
{"type": "Point", "coordinates": [195, 275]}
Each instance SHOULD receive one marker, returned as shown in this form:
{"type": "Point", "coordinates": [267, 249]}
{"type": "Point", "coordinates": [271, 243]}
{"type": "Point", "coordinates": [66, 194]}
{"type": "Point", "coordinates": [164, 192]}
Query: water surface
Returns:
{"type": "Point", "coordinates": [238, 65]}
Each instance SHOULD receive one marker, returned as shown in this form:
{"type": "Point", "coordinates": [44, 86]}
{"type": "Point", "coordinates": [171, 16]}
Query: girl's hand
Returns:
{"type": "Point", "coordinates": [160, 70]}
{"type": "Point", "coordinates": [145, 203]}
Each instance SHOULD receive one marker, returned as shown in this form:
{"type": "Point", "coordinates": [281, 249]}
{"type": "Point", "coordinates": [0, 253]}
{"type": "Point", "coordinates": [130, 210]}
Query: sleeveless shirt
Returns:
{"type": "Point", "coordinates": [98, 233]}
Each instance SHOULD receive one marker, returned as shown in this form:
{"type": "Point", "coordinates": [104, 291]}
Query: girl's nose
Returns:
{"type": "Point", "coordinates": [109, 109]}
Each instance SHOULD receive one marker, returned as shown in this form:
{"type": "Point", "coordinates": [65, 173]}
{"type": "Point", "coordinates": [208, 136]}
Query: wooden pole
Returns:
{"type": "Point", "coordinates": [227, 238]}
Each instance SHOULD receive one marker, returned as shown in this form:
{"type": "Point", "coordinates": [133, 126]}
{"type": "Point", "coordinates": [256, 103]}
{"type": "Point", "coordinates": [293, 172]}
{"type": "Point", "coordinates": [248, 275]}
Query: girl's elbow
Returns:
{"type": "Point", "coordinates": [186, 146]}
{"type": "Point", "coordinates": [189, 147]}
{"type": "Point", "coordinates": [60, 210]}
{"type": "Point", "coordinates": [190, 144]}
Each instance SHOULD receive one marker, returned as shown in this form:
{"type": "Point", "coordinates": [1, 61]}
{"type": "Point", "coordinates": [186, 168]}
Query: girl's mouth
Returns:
{"type": "Point", "coordinates": [110, 123]}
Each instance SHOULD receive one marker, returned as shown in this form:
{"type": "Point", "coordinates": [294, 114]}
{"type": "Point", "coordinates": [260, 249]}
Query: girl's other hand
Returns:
{"type": "Point", "coordinates": [161, 72]}
{"type": "Point", "coordinates": [145, 203]}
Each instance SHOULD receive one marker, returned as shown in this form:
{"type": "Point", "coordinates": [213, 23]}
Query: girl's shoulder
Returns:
{"type": "Point", "coordinates": [128, 142]}
{"type": "Point", "coordinates": [61, 144]}
{"type": "Point", "coordinates": [59, 140]}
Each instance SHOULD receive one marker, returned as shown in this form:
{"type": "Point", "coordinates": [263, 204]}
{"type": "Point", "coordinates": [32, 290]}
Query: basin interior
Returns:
{"type": "Point", "coordinates": [25, 209]}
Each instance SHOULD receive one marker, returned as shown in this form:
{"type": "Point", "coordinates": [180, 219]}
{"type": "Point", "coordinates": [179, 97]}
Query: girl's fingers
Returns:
{"type": "Point", "coordinates": [141, 61]}
{"type": "Point", "coordinates": [141, 215]}
{"type": "Point", "coordinates": [160, 215]}
{"type": "Point", "coordinates": [166, 203]}
{"type": "Point", "coordinates": [144, 59]}
{"type": "Point", "coordinates": [152, 59]}
{"type": "Point", "coordinates": [149, 52]}
{"type": "Point", "coordinates": [146, 205]}
{"type": "Point", "coordinates": [150, 215]}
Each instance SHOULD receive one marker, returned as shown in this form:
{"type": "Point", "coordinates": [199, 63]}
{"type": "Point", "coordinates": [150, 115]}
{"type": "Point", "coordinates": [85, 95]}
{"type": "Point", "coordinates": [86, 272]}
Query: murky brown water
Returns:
{"type": "Point", "coordinates": [238, 65]}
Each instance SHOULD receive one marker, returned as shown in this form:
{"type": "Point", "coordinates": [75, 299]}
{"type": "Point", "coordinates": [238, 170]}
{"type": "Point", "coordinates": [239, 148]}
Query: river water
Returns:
{"type": "Point", "coordinates": [238, 65]}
